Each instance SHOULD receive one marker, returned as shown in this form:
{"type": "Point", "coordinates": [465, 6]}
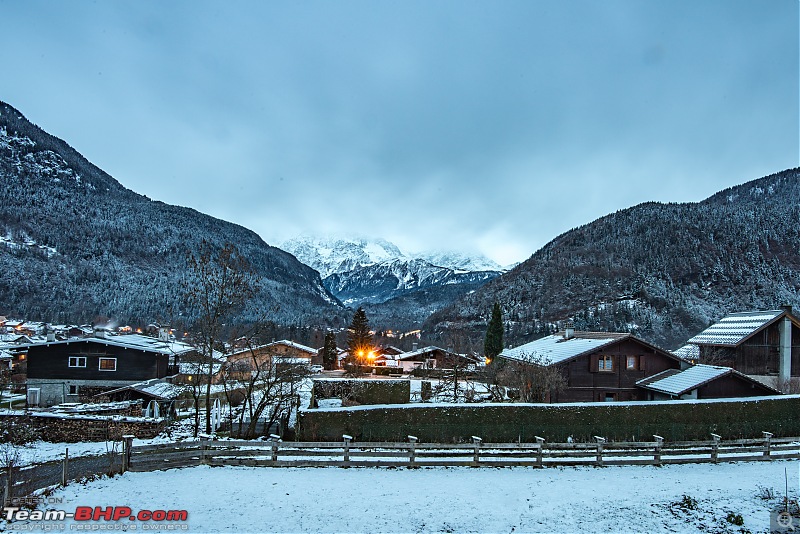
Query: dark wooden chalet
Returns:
{"type": "Point", "coordinates": [597, 366]}
{"type": "Point", "coordinates": [703, 382]}
{"type": "Point", "coordinates": [66, 371]}
{"type": "Point", "coordinates": [765, 344]}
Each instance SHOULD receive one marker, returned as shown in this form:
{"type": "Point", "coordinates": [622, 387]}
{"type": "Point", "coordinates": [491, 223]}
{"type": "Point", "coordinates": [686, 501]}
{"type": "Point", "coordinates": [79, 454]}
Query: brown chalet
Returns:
{"type": "Point", "coordinates": [597, 366]}
{"type": "Point", "coordinates": [762, 344]}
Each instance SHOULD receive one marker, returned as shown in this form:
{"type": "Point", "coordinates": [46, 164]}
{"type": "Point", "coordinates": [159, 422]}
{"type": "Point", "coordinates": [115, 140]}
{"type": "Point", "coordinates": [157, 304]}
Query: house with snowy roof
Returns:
{"type": "Point", "coordinates": [762, 344]}
{"type": "Point", "coordinates": [65, 371]}
{"type": "Point", "coordinates": [703, 382]}
{"type": "Point", "coordinates": [433, 357]}
{"type": "Point", "coordinates": [596, 366]}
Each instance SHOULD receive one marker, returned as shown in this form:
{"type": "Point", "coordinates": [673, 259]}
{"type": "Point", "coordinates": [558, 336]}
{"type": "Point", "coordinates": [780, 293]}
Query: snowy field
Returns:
{"type": "Point", "coordinates": [581, 499]}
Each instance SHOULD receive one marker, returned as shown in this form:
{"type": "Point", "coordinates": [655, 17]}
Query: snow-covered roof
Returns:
{"type": "Point", "coordinates": [132, 341]}
{"type": "Point", "coordinates": [422, 351]}
{"type": "Point", "coordinates": [556, 349]}
{"type": "Point", "coordinates": [681, 382]}
{"type": "Point", "coordinates": [735, 328]}
{"type": "Point", "coordinates": [155, 388]}
{"type": "Point", "coordinates": [688, 352]}
{"type": "Point", "coordinates": [293, 345]}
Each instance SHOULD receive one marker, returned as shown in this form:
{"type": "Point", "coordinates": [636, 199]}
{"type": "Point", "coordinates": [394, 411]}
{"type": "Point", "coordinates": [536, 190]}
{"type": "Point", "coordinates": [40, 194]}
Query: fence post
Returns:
{"type": "Point", "coordinates": [9, 485]}
{"type": "Point", "coordinates": [412, 451]}
{"type": "Point", "coordinates": [715, 448]}
{"type": "Point", "coordinates": [540, 443]}
{"type": "Point", "coordinates": [476, 457]}
{"type": "Point", "coordinates": [203, 447]}
{"type": "Point", "coordinates": [657, 454]}
{"type": "Point", "coordinates": [600, 442]}
{"type": "Point", "coordinates": [127, 440]}
{"type": "Point", "coordinates": [767, 445]}
{"type": "Point", "coordinates": [275, 440]}
{"type": "Point", "coordinates": [347, 440]}
{"type": "Point", "coordinates": [65, 468]}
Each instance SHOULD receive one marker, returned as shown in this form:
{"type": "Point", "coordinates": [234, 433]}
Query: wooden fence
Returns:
{"type": "Point", "coordinates": [347, 453]}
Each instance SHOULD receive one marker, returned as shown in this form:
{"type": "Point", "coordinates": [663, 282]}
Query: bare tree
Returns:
{"type": "Point", "coordinates": [454, 384]}
{"type": "Point", "coordinates": [219, 284]}
{"type": "Point", "coordinates": [536, 378]}
{"type": "Point", "coordinates": [268, 387]}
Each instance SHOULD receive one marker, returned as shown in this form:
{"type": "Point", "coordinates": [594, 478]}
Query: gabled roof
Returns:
{"type": "Point", "coordinates": [424, 350]}
{"type": "Point", "coordinates": [677, 383]}
{"type": "Point", "coordinates": [556, 349]}
{"type": "Point", "coordinates": [155, 388]}
{"type": "Point", "coordinates": [688, 352]}
{"type": "Point", "coordinates": [130, 341]}
{"type": "Point", "coordinates": [732, 330]}
{"type": "Point", "coordinates": [293, 345]}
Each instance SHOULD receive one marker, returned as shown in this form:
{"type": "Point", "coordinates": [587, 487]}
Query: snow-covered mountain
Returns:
{"type": "Point", "coordinates": [382, 281]}
{"type": "Point", "coordinates": [329, 255]}
{"type": "Point", "coordinates": [376, 272]}
{"type": "Point", "coordinates": [459, 261]}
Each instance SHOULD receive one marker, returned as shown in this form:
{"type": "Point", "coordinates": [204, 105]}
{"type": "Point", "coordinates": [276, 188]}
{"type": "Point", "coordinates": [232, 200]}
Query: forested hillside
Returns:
{"type": "Point", "coordinates": [75, 244]}
{"type": "Point", "coordinates": [661, 271]}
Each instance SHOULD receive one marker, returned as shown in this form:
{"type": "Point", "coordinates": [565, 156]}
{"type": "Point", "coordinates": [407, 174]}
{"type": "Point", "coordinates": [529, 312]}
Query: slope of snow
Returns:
{"type": "Point", "coordinates": [581, 499]}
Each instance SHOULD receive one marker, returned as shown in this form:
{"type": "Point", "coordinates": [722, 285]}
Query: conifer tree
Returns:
{"type": "Point", "coordinates": [493, 343]}
{"type": "Point", "coordinates": [359, 338]}
{"type": "Point", "coordinates": [329, 351]}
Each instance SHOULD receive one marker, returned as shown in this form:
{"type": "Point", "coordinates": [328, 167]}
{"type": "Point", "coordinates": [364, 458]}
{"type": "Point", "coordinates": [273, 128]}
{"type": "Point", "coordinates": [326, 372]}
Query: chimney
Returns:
{"type": "Point", "coordinates": [163, 333]}
{"type": "Point", "coordinates": [51, 334]}
{"type": "Point", "coordinates": [787, 308]}
{"type": "Point", "coordinates": [100, 332]}
{"type": "Point", "coordinates": [785, 354]}
{"type": "Point", "coordinates": [569, 329]}
{"type": "Point", "coordinates": [413, 347]}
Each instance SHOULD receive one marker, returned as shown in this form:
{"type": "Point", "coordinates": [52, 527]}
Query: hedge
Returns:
{"type": "Point", "coordinates": [443, 423]}
{"type": "Point", "coordinates": [362, 391]}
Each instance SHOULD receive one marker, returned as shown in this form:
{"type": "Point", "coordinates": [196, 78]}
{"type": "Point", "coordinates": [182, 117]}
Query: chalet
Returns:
{"type": "Point", "coordinates": [290, 349]}
{"type": "Point", "coordinates": [64, 371]}
{"type": "Point", "coordinates": [702, 382]}
{"type": "Point", "coordinates": [762, 344]}
{"type": "Point", "coordinates": [596, 366]}
{"type": "Point", "coordinates": [433, 358]}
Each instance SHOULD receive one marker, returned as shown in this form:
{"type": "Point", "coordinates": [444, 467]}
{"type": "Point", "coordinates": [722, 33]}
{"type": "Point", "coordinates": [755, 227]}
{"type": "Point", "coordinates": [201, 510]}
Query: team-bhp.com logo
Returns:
{"type": "Point", "coordinates": [94, 514]}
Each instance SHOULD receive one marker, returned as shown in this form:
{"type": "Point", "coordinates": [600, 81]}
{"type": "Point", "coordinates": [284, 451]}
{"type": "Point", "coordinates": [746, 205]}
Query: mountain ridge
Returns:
{"type": "Point", "coordinates": [662, 271]}
{"type": "Point", "coordinates": [114, 252]}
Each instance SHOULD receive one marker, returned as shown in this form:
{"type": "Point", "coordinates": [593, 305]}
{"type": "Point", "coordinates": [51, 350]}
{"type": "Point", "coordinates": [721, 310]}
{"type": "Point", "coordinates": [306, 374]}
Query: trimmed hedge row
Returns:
{"type": "Point", "coordinates": [364, 391]}
{"type": "Point", "coordinates": [675, 421]}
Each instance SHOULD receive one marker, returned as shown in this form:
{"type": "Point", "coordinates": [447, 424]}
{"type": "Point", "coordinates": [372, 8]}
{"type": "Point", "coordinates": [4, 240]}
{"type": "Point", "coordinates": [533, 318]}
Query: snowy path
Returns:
{"type": "Point", "coordinates": [584, 499]}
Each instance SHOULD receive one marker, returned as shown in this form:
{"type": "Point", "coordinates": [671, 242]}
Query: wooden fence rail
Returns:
{"type": "Point", "coordinates": [348, 453]}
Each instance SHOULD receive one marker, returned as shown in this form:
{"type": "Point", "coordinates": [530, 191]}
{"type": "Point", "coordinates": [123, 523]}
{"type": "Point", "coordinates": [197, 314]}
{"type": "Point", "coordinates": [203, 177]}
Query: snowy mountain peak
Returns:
{"type": "Point", "coordinates": [335, 254]}
{"type": "Point", "coordinates": [338, 254]}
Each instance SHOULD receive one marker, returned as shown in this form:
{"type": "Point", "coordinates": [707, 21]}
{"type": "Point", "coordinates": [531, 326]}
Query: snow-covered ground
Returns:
{"type": "Point", "coordinates": [681, 498]}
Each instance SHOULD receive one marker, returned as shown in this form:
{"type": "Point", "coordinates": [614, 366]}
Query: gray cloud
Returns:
{"type": "Point", "coordinates": [490, 126]}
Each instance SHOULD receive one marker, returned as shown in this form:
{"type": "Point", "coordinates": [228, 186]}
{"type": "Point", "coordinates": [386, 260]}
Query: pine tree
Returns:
{"type": "Point", "coordinates": [493, 343]}
{"type": "Point", "coordinates": [359, 338]}
{"type": "Point", "coordinates": [329, 352]}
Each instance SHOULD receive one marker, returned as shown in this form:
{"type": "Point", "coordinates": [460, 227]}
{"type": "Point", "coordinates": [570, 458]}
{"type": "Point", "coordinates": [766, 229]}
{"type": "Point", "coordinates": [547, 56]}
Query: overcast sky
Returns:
{"type": "Point", "coordinates": [488, 126]}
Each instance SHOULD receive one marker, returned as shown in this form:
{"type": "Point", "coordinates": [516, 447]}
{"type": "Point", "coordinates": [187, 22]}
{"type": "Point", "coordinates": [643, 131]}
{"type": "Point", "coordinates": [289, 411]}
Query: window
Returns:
{"type": "Point", "coordinates": [630, 363]}
{"type": "Point", "coordinates": [77, 361]}
{"type": "Point", "coordinates": [108, 364]}
{"type": "Point", "coordinates": [606, 363]}
{"type": "Point", "coordinates": [73, 390]}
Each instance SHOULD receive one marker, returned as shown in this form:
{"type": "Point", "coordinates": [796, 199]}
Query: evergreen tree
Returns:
{"type": "Point", "coordinates": [329, 351]}
{"type": "Point", "coordinates": [493, 343]}
{"type": "Point", "coordinates": [359, 338]}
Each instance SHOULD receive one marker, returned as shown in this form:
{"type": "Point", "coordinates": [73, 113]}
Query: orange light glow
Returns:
{"type": "Point", "coordinates": [371, 355]}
